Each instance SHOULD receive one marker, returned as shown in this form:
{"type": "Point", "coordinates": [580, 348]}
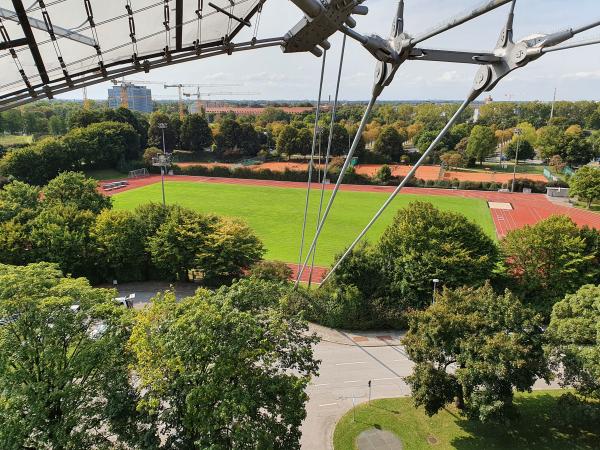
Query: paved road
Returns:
{"type": "Point", "coordinates": [344, 374]}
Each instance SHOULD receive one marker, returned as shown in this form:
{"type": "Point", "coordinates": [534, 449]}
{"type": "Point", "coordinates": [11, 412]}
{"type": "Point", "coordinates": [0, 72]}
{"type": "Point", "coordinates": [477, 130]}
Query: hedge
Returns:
{"type": "Point", "coordinates": [354, 178]}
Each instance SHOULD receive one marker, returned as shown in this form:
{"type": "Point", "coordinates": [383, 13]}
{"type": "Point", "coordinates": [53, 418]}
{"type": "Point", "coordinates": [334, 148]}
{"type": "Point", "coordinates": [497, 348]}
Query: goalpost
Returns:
{"type": "Point", "coordinates": [139, 173]}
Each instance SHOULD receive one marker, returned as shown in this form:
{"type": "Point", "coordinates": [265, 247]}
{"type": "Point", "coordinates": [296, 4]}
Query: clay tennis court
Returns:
{"type": "Point", "coordinates": [423, 172]}
{"type": "Point", "coordinates": [509, 211]}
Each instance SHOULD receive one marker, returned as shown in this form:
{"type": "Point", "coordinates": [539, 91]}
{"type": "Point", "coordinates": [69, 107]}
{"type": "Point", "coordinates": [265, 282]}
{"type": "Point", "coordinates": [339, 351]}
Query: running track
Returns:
{"type": "Point", "coordinates": [528, 209]}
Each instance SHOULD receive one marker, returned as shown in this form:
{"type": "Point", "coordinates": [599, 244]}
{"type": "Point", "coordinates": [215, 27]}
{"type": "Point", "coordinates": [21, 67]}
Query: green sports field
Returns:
{"type": "Point", "coordinates": [276, 213]}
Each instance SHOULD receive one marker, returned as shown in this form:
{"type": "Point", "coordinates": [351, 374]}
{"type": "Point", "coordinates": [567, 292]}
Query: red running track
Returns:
{"type": "Point", "coordinates": [528, 209]}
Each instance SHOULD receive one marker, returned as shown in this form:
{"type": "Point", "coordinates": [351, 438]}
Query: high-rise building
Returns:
{"type": "Point", "coordinates": [138, 98]}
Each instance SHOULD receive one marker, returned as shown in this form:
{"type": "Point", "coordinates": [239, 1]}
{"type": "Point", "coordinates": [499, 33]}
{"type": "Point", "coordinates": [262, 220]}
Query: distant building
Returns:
{"type": "Point", "coordinates": [246, 111]}
{"type": "Point", "coordinates": [139, 98]}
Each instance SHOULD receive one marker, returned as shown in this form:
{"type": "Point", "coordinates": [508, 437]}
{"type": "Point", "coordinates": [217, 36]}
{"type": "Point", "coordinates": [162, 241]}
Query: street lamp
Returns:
{"type": "Point", "coordinates": [435, 283]}
{"type": "Point", "coordinates": [518, 133]}
{"type": "Point", "coordinates": [163, 161]}
{"type": "Point", "coordinates": [163, 126]}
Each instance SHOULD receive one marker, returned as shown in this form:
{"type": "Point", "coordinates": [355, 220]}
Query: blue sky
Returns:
{"type": "Point", "coordinates": [274, 75]}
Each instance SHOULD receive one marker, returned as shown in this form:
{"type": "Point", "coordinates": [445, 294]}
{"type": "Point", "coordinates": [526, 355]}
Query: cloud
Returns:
{"type": "Point", "coordinates": [590, 75]}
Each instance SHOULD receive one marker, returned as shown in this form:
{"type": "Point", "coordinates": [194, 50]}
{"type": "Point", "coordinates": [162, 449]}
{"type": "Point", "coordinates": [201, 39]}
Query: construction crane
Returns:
{"type": "Point", "coordinates": [197, 86]}
{"type": "Point", "coordinates": [198, 95]}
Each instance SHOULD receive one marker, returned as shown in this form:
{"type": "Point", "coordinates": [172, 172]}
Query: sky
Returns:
{"type": "Point", "coordinates": [273, 75]}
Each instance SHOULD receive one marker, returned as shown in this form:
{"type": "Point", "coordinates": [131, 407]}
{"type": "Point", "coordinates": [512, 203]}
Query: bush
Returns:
{"type": "Point", "coordinates": [571, 409]}
{"type": "Point", "coordinates": [275, 271]}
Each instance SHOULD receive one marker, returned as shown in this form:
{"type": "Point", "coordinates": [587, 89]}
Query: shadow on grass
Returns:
{"type": "Point", "coordinates": [537, 427]}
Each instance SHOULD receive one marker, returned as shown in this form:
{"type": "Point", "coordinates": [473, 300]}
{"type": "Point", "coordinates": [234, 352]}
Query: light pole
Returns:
{"type": "Point", "coordinates": [162, 161]}
{"type": "Point", "coordinates": [435, 283]}
{"type": "Point", "coordinates": [518, 133]}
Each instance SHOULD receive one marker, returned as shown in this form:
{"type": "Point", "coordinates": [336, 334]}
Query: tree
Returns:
{"type": "Point", "coordinates": [546, 261]}
{"type": "Point", "coordinates": [119, 242]}
{"type": "Point", "coordinates": [18, 200]}
{"type": "Point", "coordinates": [102, 145]}
{"type": "Point", "coordinates": [287, 140]}
{"type": "Point", "coordinates": [237, 381]}
{"type": "Point", "coordinates": [73, 188]}
{"type": "Point", "coordinates": [63, 364]}
{"type": "Point", "coordinates": [61, 234]}
{"type": "Point", "coordinates": [248, 140]}
{"type": "Point", "coordinates": [383, 175]}
{"type": "Point", "coordinates": [57, 125]}
{"type": "Point", "coordinates": [339, 141]}
{"type": "Point", "coordinates": [557, 163]}
{"type": "Point", "coordinates": [219, 248]}
{"type": "Point", "coordinates": [452, 159]}
{"type": "Point", "coordinates": [585, 184]}
{"type": "Point", "coordinates": [575, 340]}
{"type": "Point", "coordinates": [493, 341]}
{"type": "Point", "coordinates": [482, 143]}
{"type": "Point", "coordinates": [13, 121]}
{"type": "Point", "coordinates": [155, 133]}
{"type": "Point", "coordinates": [389, 144]}
{"type": "Point", "coordinates": [423, 243]}
{"type": "Point", "coordinates": [550, 141]}
{"type": "Point", "coordinates": [23, 165]}
{"type": "Point", "coordinates": [303, 142]}
{"type": "Point", "coordinates": [230, 248]}
{"type": "Point", "coordinates": [526, 150]}
{"type": "Point", "coordinates": [195, 133]}
{"type": "Point", "coordinates": [577, 149]}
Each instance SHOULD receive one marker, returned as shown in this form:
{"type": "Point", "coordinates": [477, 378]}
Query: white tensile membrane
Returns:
{"type": "Point", "coordinates": [76, 38]}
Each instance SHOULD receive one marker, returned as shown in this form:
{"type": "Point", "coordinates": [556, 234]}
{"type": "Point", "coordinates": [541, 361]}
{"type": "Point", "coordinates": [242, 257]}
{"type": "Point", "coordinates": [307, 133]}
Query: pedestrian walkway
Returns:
{"type": "Point", "coordinates": [375, 439]}
{"type": "Point", "coordinates": [363, 339]}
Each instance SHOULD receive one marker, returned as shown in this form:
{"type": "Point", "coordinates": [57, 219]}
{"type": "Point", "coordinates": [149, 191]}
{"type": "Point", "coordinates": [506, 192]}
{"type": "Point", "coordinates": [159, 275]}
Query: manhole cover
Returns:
{"type": "Point", "coordinates": [374, 439]}
{"type": "Point", "coordinates": [432, 440]}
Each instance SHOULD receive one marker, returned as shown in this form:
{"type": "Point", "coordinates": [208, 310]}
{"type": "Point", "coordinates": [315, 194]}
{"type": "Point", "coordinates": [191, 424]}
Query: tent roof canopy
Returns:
{"type": "Point", "coordinates": [53, 46]}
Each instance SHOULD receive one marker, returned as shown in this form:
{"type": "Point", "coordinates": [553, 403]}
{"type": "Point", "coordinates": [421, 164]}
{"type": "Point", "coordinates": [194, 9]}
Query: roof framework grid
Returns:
{"type": "Point", "coordinates": [73, 43]}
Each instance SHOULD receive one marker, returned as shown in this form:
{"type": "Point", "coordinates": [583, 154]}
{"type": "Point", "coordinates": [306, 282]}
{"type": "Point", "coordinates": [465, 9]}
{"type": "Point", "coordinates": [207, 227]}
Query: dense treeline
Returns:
{"type": "Point", "coordinates": [380, 283]}
{"type": "Point", "coordinates": [69, 223]}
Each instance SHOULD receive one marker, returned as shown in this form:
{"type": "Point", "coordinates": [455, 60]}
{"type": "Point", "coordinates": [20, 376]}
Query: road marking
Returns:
{"type": "Point", "coordinates": [327, 404]}
{"type": "Point", "coordinates": [318, 385]}
{"type": "Point", "coordinates": [389, 378]}
{"type": "Point", "coordinates": [349, 363]}
{"type": "Point", "coordinates": [352, 381]}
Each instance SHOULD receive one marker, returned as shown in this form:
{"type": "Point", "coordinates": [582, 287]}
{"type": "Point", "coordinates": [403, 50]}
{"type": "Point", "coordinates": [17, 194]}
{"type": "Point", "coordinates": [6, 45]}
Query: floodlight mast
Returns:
{"type": "Point", "coordinates": [391, 53]}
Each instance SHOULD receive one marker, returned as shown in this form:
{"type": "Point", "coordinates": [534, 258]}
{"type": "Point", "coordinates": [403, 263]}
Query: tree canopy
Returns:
{"type": "Point", "coordinates": [546, 261]}
{"type": "Point", "coordinates": [225, 369]}
{"type": "Point", "coordinates": [476, 347]}
{"type": "Point", "coordinates": [63, 364]}
{"type": "Point", "coordinates": [585, 184]}
{"type": "Point", "coordinates": [482, 143]}
{"type": "Point", "coordinates": [575, 336]}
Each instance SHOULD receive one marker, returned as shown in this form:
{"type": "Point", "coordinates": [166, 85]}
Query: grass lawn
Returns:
{"type": "Point", "coordinates": [10, 139]}
{"type": "Point", "coordinates": [105, 174]}
{"type": "Point", "coordinates": [276, 214]}
{"type": "Point", "coordinates": [536, 428]}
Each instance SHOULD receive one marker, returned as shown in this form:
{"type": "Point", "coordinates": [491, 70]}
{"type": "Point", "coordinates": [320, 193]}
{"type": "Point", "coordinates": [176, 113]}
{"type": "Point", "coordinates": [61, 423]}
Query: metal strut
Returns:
{"type": "Point", "coordinates": [312, 156]}
{"type": "Point", "coordinates": [512, 56]}
{"type": "Point", "coordinates": [328, 152]}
